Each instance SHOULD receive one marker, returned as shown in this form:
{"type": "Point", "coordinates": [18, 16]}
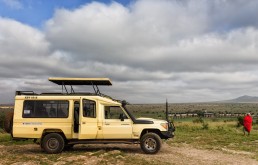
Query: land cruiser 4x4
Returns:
{"type": "Point", "coordinates": [58, 121]}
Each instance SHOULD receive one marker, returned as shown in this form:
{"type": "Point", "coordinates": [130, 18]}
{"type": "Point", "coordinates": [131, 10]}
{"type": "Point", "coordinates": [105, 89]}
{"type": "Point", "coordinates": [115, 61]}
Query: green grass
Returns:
{"type": "Point", "coordinates": [221, 134]}
{"type": "Point", "coordinates": [6, 139]}
{"type": "Point", "coordinates": [218, 136]}
{"type": "Point", "coordinates": [17, 151]}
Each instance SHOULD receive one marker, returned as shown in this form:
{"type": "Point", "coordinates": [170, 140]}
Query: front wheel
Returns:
{"type": "Point", "coordinates": [53, 143]}
{"type": "Point", "coordinates": [150, 143]}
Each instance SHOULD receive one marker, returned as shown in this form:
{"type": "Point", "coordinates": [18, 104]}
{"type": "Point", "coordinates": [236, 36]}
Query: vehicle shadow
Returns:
{"type": "Point", "coordinates": [125, 148]}
{"type": "Point", "coordinates": [82, 148]}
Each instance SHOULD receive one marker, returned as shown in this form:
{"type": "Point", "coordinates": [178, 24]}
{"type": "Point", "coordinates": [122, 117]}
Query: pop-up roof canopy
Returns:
{"type": "Point", "coordinates": [80, 81]}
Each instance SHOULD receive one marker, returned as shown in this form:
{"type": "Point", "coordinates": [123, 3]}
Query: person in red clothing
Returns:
{"type": "Point", "coordinates": [247, 123]}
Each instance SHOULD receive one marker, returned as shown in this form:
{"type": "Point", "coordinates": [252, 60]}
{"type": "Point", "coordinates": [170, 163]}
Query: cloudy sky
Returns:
{"type": "Point", "coordinates": [182, 50]}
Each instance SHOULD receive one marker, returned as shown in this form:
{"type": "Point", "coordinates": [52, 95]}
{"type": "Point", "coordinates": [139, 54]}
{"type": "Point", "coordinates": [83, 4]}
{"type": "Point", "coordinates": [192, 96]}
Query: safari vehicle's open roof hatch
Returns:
{"type": "Point", "coordinates": [80, 81]}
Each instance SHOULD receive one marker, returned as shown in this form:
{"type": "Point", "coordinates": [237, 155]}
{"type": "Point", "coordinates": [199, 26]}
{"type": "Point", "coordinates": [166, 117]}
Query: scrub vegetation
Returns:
{"type": "Point", "coordinates": [220, 135]}
{"type": "Point", "coordinates": [197, 141]}
{"type": "Point", "coordinates": [158, 110]}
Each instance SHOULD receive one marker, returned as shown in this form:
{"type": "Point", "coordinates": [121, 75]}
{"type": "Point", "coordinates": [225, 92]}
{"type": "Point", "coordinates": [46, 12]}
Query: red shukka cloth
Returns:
{"type": "Point", "coordinates": [248, 123]}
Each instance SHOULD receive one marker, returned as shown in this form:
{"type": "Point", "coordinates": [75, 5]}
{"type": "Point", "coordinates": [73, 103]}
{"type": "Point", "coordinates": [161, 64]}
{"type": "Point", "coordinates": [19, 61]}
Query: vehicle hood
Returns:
{"type": "Point", "coordinates": [151, 119]}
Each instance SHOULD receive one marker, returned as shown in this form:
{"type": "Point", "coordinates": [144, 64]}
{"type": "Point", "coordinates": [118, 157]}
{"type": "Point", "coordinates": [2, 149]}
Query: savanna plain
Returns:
{"type": "Point", "coordinates": [198, 140]}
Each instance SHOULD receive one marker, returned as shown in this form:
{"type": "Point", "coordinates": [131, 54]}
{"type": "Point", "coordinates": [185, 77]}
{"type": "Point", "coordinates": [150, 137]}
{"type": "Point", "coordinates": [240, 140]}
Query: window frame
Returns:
{"type": "Point", "coordinates": [57, 103]}
{"type": "Point", "coordinates": [95, 108]}
{"type": "Point", "coordinates": [124, 112]}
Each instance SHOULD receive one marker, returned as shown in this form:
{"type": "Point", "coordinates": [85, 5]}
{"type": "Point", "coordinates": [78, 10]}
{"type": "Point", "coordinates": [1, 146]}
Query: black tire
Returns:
{"type": "Point", "coordinates": [8, 122]}
{"type": "Point", "coordinates": [150, 143]}
{"type": "Point", "coordinates": [53, 143]}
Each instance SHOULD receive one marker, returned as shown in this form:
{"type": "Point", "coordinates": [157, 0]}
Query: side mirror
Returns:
{"type": "Point", "coordinates": [121, 117]}
{"type": "Point", "coordinates": [124, 103]}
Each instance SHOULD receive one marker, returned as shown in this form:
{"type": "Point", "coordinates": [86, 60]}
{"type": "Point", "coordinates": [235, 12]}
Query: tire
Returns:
{"type": "Point", "coordinates": [53, 143]}
{"type": "Point", "coordinates": [8, 122]}
{"type": "Point", "coordinates": [150, 143]}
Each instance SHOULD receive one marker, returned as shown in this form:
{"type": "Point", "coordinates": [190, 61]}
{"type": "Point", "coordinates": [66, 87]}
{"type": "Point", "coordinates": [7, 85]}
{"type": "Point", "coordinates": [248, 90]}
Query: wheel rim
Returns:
{"type": "Point", "coordinates": [150, 144]}
{"type": "Point", "coordinates": [53, 143]}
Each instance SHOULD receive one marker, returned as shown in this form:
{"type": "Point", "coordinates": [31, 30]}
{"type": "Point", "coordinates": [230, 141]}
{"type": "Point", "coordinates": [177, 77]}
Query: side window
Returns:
{"type": "Point", "coordinates": [114, 112]}
{"type": "Point", "coordinates": [89, 108]}
{"type": "Point", "coordinates": [45, 109]}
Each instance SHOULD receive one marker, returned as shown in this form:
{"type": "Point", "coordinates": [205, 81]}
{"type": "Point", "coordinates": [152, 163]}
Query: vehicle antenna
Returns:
{"type": "Point", "coordinates": [167, 109]}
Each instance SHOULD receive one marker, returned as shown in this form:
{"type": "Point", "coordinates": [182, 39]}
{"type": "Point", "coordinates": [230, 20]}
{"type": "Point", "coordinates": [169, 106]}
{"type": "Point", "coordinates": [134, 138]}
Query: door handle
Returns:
{"type": "Point", "coordinates": [83, 122]}
{"type": "Point", "coordinates": [124, 124]}
{"type": "Point", "coordinates": [107, 124]}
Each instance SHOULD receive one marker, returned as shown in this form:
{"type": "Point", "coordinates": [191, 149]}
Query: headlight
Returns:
{"type": "Point", "coordinates": [164, 125]}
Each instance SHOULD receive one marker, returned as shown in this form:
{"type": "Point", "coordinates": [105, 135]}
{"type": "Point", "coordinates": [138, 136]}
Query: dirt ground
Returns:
{"type": "Point", "coordinates": [31, 154]}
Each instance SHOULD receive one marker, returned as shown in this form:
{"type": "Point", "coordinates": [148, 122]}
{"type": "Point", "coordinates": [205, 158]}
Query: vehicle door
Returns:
{"type": "Point", "coordinates": [116, 124]}
{"type": "Point", "coordinates": [88, 119]}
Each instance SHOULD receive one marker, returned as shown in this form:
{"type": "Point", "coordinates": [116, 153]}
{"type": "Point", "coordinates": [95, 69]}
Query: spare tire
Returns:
{"type": "Point", "coordinates": [8, 122]}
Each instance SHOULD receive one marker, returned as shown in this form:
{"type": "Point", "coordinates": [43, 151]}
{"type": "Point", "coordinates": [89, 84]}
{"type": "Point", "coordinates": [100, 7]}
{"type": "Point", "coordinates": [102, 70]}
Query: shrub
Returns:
{"type": "Point", "coordinates": [240, 120]}
{"type": "Point", "coordinates": [200, 113]}
{"type": "Point", "coordinates": [198, 120]}
{"type": "Point", "coordinates": [220, 128]}
{"type": "Point", "coordinates": [205, 125]}
{"type": "Point", "coordinates": [7, 121]}
{"type": "Point", "coordinates": [214, 119]}
{"type": "Point", "coordinates": [2, 118]}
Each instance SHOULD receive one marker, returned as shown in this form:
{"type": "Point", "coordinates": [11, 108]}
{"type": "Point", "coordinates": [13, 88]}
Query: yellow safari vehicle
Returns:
{"type": "Point", "coordinates": [57, 121]}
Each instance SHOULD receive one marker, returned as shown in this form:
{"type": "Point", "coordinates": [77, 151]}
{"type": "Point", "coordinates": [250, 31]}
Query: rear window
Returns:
{"type": "Point", "coordinates": [45, 109]}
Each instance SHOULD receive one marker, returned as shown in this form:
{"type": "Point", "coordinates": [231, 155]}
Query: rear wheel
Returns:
{"type": "Point", "coordinates": [53, 143]}
{"type": "Point", "coordinates": [8, 122]}
{"type": "Point", "coordinates": [150, 143]}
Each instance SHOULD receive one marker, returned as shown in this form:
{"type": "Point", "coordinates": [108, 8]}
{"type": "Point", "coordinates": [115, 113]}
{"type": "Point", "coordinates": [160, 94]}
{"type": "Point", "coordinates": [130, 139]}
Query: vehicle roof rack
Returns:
{"type": "Point", "coordinates": [80, 93]}
{"type": "Point", "coordinates": [25, 93]}
{"type": "Point", "coordinates": [51, 93]}
{"type": "Point", "coordinates": [80, 81]}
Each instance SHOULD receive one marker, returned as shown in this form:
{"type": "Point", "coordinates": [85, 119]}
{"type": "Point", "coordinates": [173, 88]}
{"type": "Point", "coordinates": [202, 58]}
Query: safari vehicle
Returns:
{"type": "Point", "coordinates": [57, 121]}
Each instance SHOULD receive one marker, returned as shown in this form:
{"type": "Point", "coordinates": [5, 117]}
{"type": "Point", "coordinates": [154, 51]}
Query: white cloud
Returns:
{"type": "Point", "coordinates": [151, 35]}
{"type": "Point", "coordinates": [23, 49]}
{"type": "Point", "coordinates": [151, 49]}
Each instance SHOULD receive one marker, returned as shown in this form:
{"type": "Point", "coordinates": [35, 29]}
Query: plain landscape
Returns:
{"type": "Point", "coordinates": [198, 140]}
{"type": "Point", "coordinates": [199, 55]}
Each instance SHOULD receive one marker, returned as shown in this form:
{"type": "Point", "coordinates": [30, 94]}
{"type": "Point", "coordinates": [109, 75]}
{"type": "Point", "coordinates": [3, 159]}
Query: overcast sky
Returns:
{"type": "Point", "coordinates": [182, 50]}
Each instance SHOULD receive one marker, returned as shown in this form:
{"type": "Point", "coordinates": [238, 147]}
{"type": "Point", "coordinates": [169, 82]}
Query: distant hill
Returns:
{"type": "Point", "coordinates": [242, 99]}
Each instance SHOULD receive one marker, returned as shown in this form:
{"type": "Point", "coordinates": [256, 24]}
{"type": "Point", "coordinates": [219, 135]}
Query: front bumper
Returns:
{"type": "Point", "coordinates": [170, 132]}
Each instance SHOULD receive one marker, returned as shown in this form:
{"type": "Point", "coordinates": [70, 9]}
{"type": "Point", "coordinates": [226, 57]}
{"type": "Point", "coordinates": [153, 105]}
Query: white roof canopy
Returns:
{"type": "Point", "coordinates": [80, 81]}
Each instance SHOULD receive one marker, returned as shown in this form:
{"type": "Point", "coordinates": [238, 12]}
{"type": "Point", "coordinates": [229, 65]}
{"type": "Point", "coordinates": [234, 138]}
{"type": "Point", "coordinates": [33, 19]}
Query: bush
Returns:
{"type": "Point", "coordinates": [2, 131]}
{"type": "Point", "coordinates": [8, 122]}
{"type": "Point", "coordinates": [2, 118]}
{"type": "Point", "coordinates": [198, 120]}
{"type": "Point", "coordinates": [214, 119]}
{"type": "Point", "coordinates": [220, 128]}
{"type": "Point", "coordinates": [240, 120]}
{"type": "Point", "coordinates": [205, 125]}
